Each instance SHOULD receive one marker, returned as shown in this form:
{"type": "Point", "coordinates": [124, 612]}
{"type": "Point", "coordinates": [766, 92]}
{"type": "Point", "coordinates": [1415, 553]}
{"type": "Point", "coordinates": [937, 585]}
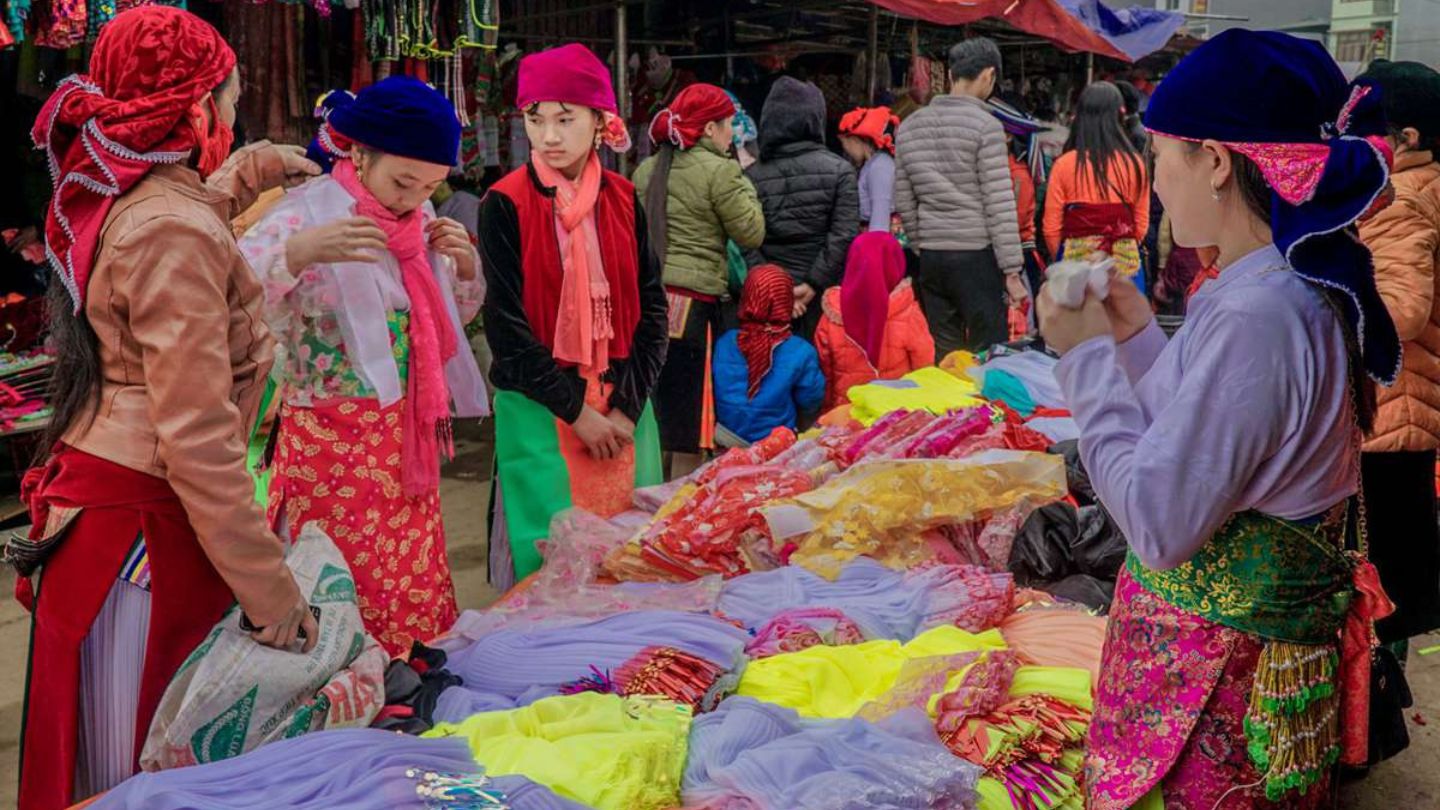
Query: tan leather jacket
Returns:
{"type": "Point", "coordinates": [184, 354]}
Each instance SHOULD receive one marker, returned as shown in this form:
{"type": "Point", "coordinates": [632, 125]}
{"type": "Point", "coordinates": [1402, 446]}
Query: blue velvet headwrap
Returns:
{"type": "Point", "coordinates": [322, 149]}
{"type": "Point", "coordinates": [1283, 102]}
{"type": "Point", "coordinates": [402, 116]}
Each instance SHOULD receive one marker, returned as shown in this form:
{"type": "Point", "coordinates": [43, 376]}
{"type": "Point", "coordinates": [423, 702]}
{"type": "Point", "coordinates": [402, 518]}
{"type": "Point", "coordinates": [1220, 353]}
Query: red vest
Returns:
{"type": "Point", "coordinates": [540, 263]}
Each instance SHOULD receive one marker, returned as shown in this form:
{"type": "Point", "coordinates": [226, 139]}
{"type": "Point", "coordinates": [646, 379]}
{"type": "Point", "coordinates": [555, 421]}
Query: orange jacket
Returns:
{"type": "Point", "coordinates": [1067, 186]}
{"type": "Point", "coordinates": [1024, 200]}
{"type": "Point", "coordinates": [908, 345]}
{"type": "Point", "coordinates": [1405, 239]}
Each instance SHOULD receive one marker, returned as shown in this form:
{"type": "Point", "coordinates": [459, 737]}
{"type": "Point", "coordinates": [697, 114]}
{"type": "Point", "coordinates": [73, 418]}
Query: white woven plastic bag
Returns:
{"type": "Point", "coordinates": [232, 695]}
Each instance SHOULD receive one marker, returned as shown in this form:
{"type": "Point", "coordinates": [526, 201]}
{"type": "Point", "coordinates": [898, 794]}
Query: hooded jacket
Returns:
{"type": "Point", "coordinates": [908, 346]}
{"type": "Point", "coordinates": [810, 195]}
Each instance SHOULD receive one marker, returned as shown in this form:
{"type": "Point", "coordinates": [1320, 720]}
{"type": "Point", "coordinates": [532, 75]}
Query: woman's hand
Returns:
{"type": "Point", "coordinates": [297, 167]}
{"type": "Point", "coordinates": [1064, 328]}
{"type": "Point", "coordinates": [283, 634]}
{"type": "Point", "coordinates": [600, 435]}
{"type": "Point", "coordinates": [449, 238]}
{"type": "Point", "coordinates": [1129, 311]}
{"type": "Point", "coordinates": [354, 239]}
{"type": "Point", "coordinates": [622, 424]}
{"type": "Point", "coordinates": [804, 294]}
{"type": "Point", "coordinates": [1015, 288]}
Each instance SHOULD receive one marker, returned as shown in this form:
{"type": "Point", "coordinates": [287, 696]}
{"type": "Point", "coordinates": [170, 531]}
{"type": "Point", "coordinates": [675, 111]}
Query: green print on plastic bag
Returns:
{"type": "Point", "coordinates": [224, 737]}
{"type": "Point", "coordinates": [333, 585]}
{"type": "Point", "coordinates": [202, 649]}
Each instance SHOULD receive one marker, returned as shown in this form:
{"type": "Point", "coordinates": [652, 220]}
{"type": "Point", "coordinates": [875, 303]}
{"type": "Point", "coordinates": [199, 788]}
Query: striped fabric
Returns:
{"type": "Point", "coordinates": [136, 569]}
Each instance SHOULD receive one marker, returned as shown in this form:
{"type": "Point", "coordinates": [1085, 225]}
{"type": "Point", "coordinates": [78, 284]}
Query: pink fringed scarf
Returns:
{"type": "Point", "coordinates": [584, 325]}
{"type": "Point", "coordinates": [427, 428]}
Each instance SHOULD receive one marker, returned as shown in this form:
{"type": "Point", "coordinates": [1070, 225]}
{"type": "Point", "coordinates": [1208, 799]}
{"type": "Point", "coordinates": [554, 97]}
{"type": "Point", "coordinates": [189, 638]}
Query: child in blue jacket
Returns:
{"type": "Point", "coordinates": [765, 377]}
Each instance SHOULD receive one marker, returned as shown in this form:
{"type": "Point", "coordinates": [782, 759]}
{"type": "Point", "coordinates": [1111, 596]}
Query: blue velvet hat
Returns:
{"type": "Point", "coordinates": [402, 116]}
{"type": "Point", "coordinates": [323, 149]}
{"type": "Point", "coordinates": [1283, 102]}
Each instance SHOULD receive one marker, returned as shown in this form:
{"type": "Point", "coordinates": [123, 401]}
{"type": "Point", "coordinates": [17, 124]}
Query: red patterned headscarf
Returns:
{"type": "Point", "coordinates": [873, 124]}
{"type": "Point", "coordinates": [766, 303]}
{"type": "Point", "coordinates": [683, 122]}
{"type": "Point", "coordinates": [137, 108]}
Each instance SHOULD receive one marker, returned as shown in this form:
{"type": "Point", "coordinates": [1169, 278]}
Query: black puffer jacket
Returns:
{"type": "Point", "coordinates": [810, 195]}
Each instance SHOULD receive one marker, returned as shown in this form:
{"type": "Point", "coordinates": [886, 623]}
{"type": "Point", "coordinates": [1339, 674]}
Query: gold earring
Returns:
{"type": "Point", "coordinates": [1215, 194]}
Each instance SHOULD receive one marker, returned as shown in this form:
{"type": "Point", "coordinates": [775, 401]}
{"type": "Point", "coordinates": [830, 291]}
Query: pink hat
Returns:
{"type": "Point", "coordinates": [570, 74]}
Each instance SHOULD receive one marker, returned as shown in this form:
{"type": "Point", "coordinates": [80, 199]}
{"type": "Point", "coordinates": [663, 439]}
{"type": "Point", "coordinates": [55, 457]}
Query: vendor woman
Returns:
{"type": "Point", "coordinates": [575, 315]}
{"type": "Point", "coordinates": [144, 515]}
{"type": "Point", "coordinates": [1229, 454]}
{"type": "Point", "coordinates": [367, 292]}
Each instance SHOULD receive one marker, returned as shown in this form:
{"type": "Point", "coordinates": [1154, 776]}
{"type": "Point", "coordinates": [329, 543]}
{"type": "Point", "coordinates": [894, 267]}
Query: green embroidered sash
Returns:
{"type": "Point", "coordinates": [1273, 578]}
{"type": "Point", "coordinates": [1289, 584]}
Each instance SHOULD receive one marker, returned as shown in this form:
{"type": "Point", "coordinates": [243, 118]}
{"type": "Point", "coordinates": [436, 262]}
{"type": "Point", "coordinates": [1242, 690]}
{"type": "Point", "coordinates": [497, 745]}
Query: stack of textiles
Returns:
{"type": "Point", "coordinates": [749, 755]}
{"type": "Point", "coordinates": [883, 509]}
{"type": "Point", "coordinates": [25, 383]}
{"type": "Point", "coordinates": [882, 603]}
{"type": "Point", "coordinates": [357, 769]}
{"type": "Point", "coordinates": [605, 751]}
{"type": "Point", "coordinates": [928, 389]}
{"type": "Point", "coordinates": [517, 666]}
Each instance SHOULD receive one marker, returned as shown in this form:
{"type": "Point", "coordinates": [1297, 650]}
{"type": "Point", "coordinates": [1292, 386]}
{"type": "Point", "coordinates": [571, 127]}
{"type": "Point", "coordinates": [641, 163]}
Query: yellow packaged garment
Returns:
{"type": "Point", "coordinates": [927, 389]}
{"type": "Point", "coordinates": [880, 509]}
{"type": "Point", "coordinates": [605, 751]}
{"type": "Point", "coordinates": [835, 682]}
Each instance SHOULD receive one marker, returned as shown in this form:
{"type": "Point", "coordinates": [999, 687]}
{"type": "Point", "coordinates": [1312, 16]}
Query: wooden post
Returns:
{"type": "Point", "coordinates": [1089, 69]}
{"type": "Point", "coordinates": [873, 54]}
{"type": "Point", "coordinates": [622, 83]}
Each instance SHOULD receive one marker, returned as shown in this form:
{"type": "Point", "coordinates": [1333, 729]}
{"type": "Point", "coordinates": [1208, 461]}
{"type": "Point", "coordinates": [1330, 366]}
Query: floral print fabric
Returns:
{"type": "Point", "coordinates": [335, 465]}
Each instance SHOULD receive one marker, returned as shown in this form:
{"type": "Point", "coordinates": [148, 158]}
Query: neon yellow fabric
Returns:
{"type": "Point", "coordinates": [927, 389]}
{"type": "Point", "coordinates": [605, 751]}
{"type": "Point", "coordinates": [1063, 683]}
{"type": "Point", "coordinates": [835, 682]}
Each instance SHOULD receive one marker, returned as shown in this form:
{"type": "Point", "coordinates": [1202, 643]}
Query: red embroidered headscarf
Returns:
{"type": "Point", "coordinates": [683, 122]}
{"type": "Point", "coordinates": [767, 301]}
{"type": "Point", "coordinates": [137, 108]}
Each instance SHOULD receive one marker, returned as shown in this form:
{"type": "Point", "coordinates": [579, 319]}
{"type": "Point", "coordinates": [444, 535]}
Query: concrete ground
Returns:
{"type": "Point", "coordinates": [1404, 783]}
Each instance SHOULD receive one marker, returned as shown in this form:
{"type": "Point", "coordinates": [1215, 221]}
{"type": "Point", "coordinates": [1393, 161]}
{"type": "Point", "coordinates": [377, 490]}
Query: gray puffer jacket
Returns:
{"type": "Point", "coordinates": [810, 195]}
{"type": "Point", "coordinates": [952, 181]}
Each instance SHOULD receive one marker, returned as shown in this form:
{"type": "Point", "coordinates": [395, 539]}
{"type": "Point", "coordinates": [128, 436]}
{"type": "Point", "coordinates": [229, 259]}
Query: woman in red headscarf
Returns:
{"type": "Point", "coordinates": [867, 134]}
{"type": "Point", "coordinates": [144, 516]}
{"type": "Point", "coordinates": [873, 327]}
{"type": "Point", "coordinates": [766, 377]}
{"type": "Point", "coordinates": [695, 199]}
{"type": "Point", "coordinates": [574, 313]}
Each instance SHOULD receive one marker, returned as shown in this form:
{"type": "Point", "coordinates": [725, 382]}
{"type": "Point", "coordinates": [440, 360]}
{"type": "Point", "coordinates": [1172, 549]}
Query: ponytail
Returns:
{"type": "Point", "coordinates": [657, 197]}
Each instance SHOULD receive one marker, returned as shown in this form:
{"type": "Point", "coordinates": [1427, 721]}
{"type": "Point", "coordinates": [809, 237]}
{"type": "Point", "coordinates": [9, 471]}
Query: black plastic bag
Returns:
{"type": "Point", "coordinates": [1089, 591]}
{"type": "Point", "coordinates": [1042, 550]}
{"type": "Point", "coordinates": [1099, 548]}
{"type": "Point", "coordinates": [1077, 480]}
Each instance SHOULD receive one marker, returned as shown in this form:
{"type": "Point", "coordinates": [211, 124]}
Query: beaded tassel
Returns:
{"type": "Point", "coordinates": [455, 791]}
{"type": "Point", "coordinates": [1293, 723]}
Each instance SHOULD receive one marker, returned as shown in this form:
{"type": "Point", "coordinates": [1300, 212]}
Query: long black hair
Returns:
{"type": "Point", "coordinates": [75, 394]}
{"type": "Point", "coordinates": [1099, 138]}
{"type": "Point", "coordinates": [657, 199]}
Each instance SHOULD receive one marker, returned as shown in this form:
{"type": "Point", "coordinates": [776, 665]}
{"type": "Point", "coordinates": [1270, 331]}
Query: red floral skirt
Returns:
{"type": "Point", "coordinates": [338, 465]}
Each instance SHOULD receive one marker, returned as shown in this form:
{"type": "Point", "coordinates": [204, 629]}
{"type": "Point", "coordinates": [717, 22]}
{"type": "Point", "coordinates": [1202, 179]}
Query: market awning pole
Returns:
{"type": "Point", "coordinates": [1089, 69]}
{"type": "Point", "coordinates": [622, 86]}
{"type": "Point", "coordinates": [873, 54]}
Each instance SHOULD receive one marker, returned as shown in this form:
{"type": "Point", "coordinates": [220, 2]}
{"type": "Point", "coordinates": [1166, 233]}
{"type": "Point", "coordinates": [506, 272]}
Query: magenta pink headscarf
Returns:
{"type": "Point", "coordinates": [874, 267]}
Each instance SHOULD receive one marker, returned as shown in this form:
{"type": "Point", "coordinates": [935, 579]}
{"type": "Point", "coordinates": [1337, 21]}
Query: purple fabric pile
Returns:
{"type": "Point", "coordinates": [749, 755]}
{"type": "Point", "coordinates": [515, 667]}
{"type": "Point", "coordinates": [885, 604]}
{"type": "Point", "coordinates": [357, 769]}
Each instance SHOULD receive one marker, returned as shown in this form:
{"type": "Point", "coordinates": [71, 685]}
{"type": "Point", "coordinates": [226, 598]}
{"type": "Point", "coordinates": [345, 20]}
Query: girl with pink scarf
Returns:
{"type": "Point", "coordinates": [367, 292]}
{"type": "Point", "coordinates": [576, 316]}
